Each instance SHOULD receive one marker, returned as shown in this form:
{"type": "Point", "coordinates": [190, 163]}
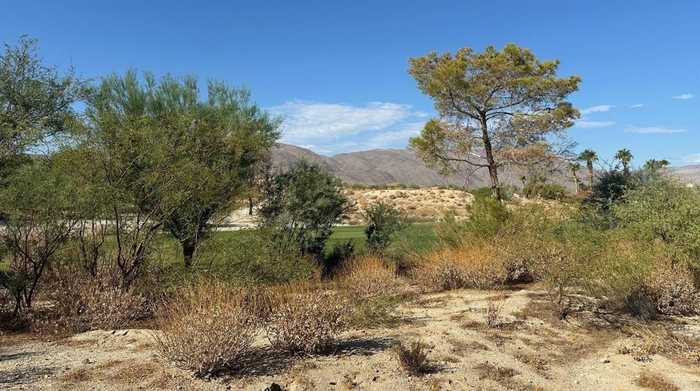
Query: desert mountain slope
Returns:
{"type": "Point", "coordinates": [401, 166]}
{"type": "Point", "coordinates": [391, 166]}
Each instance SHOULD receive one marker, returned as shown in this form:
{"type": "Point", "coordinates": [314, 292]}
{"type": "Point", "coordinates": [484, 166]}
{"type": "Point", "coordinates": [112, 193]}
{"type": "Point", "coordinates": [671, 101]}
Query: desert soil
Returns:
{"type": "Point", "coordinates": [524, 349]}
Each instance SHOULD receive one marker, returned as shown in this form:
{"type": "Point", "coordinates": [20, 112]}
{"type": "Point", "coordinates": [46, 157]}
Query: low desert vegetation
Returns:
{"type": "Point", "coordinates": [413, 357]}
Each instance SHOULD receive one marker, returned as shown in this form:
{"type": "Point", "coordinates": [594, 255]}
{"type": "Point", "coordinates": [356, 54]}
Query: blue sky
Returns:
{"type": "Point", "coordinates": [337, 70]}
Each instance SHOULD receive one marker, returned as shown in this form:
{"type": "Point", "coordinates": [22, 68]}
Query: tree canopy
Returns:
{"type": "Point", "coordinates": [495, 108]}
{"type": "Point", "coordinates": [184, 159]}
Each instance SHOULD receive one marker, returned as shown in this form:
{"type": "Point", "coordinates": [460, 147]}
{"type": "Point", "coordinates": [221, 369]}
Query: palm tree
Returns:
{"type": "Point", "coordinates": [625, 157]}
{"type": "Point", "coordinates": [589, 156]}
{"type": "Point", "coordinates": [574, 167]}
{"type": "Point", "coordinates": [654, 165]}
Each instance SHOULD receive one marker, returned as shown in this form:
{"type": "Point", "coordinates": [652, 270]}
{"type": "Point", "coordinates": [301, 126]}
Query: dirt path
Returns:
{"type": "Point", "coordinates": [522, 349]}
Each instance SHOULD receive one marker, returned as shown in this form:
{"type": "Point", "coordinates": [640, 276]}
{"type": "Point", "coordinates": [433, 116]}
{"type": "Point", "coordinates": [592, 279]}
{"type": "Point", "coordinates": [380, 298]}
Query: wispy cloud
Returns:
{"type": "Point", "coordinates": [653, 130]}
{"type": "Point", "coordinates": [694, 158]}
{"type": "Point", "coordinates": [333, 127]}
{"type": "Point", "coordinates": [685, 96]}
{"type": "Point", "coordinates": [597, 109]}
{"type": "Point", "coordinates": [583, 123]}
{"type": "Point", "coordinates": [637, 106]}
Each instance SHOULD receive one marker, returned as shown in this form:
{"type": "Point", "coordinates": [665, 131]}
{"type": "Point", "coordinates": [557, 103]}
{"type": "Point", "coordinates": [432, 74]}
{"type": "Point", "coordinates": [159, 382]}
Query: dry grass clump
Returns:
{"type": "Point", "coordinates": [208, 327]}
{"type": "Point", "coordinates": [494, 308]}
{"type": "Point", "coordinates": [461, 267]}
{"type": "Point", "coordinates": [369, 276]}
{"type": "Point", "coordinates": [413, 358]}
{"type": "Point", "coordinates": [655, 382]}
{"type": "Point", "coordinates": [304, 318]}
{"type": "Point", "coordinates": [651, 341]}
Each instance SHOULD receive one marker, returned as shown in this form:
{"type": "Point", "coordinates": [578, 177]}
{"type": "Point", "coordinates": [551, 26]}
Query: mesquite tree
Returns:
{"type": "Point", "coordinates": [185, 160]}
{"type": "Point", "coordinates": [495, 108]}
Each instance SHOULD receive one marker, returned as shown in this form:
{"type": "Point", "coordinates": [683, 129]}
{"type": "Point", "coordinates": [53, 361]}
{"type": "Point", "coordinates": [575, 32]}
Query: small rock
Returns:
{"type": "Point", "coordinates": [605, 360]}
{"type": "Point", "coordinates": [375, 378]}
{"type": "Point", "coordinates": [87, 361]}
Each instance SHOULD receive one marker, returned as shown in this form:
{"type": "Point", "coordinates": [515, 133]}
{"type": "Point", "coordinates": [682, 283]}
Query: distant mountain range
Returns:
{"type": "Point", "coordinates": [402, 166]}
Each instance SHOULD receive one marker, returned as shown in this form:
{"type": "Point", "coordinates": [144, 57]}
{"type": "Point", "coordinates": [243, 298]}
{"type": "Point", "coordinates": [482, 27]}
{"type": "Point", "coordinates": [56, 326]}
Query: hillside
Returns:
{"type": "Point", "coordinates": [393, 166]}
{"type": "Point", "coordinates": [401, 166]}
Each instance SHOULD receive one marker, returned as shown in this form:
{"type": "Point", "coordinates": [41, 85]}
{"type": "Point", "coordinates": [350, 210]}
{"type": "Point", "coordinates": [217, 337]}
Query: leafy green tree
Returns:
{"type": "Point", "coordinates": [35, 102]}
{"type": "Point", "coordinates": [186, 160]}
{"type": "Point", "coordinates": [383, 222]}
{"type": "Point", "coordinates": [494, 108]}
{"type": "Point", "coordinates": [625, 157]}
{"type": "Point", "coordinates": [39, 202]}
{"type": "Point", "coordinates": [654, 165]}
{"type": "Point", "coordinates": [589, 156]}
{"type": "Point", "coordinates": [303, 204]}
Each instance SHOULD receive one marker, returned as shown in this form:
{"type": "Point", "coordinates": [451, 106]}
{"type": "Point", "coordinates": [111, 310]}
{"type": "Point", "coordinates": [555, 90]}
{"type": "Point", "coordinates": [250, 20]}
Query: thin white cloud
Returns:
{"type": "Point", "coordinates": [653, 130]}
{"type": "Point", "coordinates": [694, 158]}
{"type": "Point", "coordinates": [637, 106]}
{"type": "Point", "coordinates": [685, 96]}
{"type": "Point", "coordinates": [586, 124]}
{"type": "Point", "coordinates": [332, 127]}
{"type": "Point", "coordinates": [597, 109]}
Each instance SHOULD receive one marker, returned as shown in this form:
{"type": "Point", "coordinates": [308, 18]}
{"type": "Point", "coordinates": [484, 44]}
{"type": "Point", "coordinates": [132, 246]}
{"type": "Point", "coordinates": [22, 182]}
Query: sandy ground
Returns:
{"type": "Point", "coordinates": [525, 349]}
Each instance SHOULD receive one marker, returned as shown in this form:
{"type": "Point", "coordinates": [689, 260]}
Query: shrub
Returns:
{"type": "Point", "coordinates": [253, 257]}
{"type": "Point", "coordinates": [611, 187]}
{"type": "Point", "coordinates": [383, 222]}
{"type": "Point", "coordinates": [369, 276]}
{"type": "Point", "coordinates": [474, 266]}
{"type": "Point", "coordinates": [208, 327]}
{"type": "Point", "coordinates": [339, 255]}
{"type": "Point", "coordinates": [486, 216]}
{"type": "Point", "coordinates": [662, 210]}
{"type": "Point", "coordinates": [414, 358]}
{"type": "Point", "coordinates": [302, 205]}
{"type": "Point", "coordinates": [548, 191]}
{"type": "Point", "coordinates": [84, 303]}
{"type": "Point", "coordinates": [672, 290]}
{"type": "Point", "coordinates": [304, 319]}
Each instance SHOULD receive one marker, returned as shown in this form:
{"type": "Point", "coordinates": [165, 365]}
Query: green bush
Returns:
{"type": "Point", "coordinates": [487, 216]}
{"type": "Point", "coordinates": [548, 191]}
{"type": "Point", "coordinates": [258, 256]}
{"type": "Point", "coordinates": [480, 192]}
{"type": "Point", "coordinates": [662, 210]}
{"type": "Point", "coordinates": [302, 205]}
{"type": "Point", "coordinates": [383, 223]}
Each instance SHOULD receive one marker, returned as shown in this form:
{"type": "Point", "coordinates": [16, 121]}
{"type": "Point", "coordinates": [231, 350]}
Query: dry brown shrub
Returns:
{"type": "Point", "coordinates": [83, 302]}
{"type": "Point", "coordinates": [413, 358]}
{"type": "Point", "coordinates": [369, 276]}
{"type": "Point", "coordinates": [494, 307]}
{"type": "Point", "coordinates": [659, 340]}
{"type": "Point", "coordinates": [305, 318]}
{"type": "Point", "coordinates": [462, 267]}
{"type": "Point", "coordinates": [672, 289]}
{"type": "Point", "coordinates": [208, 326]}
{"type": "Point", "coordinates": [655, 382]}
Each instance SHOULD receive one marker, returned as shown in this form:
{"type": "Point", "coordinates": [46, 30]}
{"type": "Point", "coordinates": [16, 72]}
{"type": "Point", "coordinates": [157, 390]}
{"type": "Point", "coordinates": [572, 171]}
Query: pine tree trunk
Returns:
{"type": "Point", "coordinates": [493, 168]}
